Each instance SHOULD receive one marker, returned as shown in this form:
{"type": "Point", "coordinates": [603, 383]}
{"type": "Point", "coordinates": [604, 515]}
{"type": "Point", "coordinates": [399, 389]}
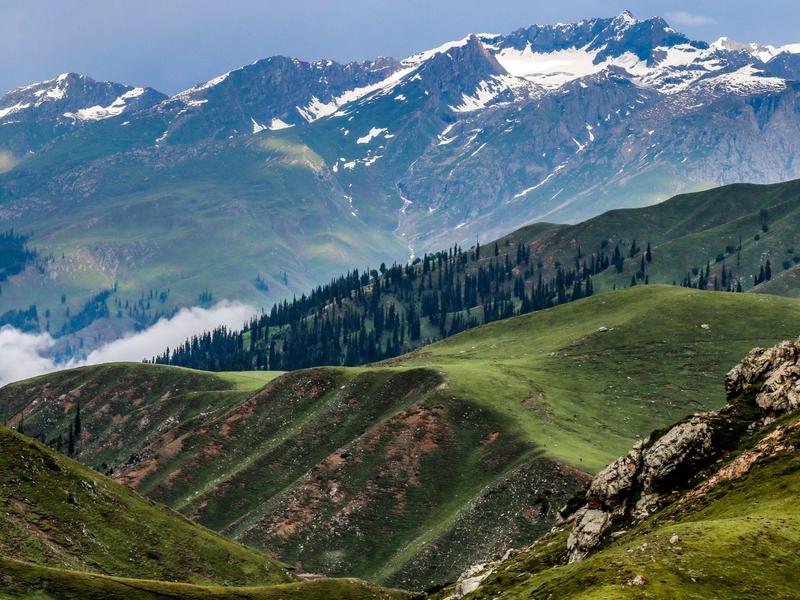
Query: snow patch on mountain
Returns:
{"type": "Point", "coordinates": [277, 124]}
{"type": "Point", "coordinates": [487, 91]}
{"type": "Point", "coordinates": [373, 133]}
{"type": "Point", "coordinates": [554, 69]}
{"type": "Point", "coordinates": [257, 127]}
{"type": "Point", "coordinates": [527, 191]}
{"type": "Point", "coordinates": [97, 113]}
{"type": "Point", "coordinates": [211, 82]}
{"type": "Point", "coordinates": [316, 109]}
{"type": "Point", "coordinates": [442, 137]}
{"type": "Point", "coordinates": [745, 81]}
{"type": "Point", "coordinates": [4, 112]}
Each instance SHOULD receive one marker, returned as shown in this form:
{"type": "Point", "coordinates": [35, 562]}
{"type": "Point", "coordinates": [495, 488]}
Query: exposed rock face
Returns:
{"type": "Point", "coordinates": [777, 370]}
{"type": "Point", "coordinates": [590, 528]}
{"type": "Point", "coordinates": [635, 485]}
{"type": "Point", "coordinates": [470, 580]}
{"type": "Point", "coordinates": [684, 447]}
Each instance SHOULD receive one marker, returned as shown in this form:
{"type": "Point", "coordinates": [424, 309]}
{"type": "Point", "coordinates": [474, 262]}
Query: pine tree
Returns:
{"type": "Point", "coordinates": [649, 253]}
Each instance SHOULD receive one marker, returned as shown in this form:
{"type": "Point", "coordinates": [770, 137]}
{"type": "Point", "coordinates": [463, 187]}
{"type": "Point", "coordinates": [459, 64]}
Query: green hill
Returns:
{"type": "Point", "coordinates": [67, 532]}
{"type": "Point", "coordinates": [727, 527]}
{"type": "Point", "coordinates": [23, 581]}
{"type": "Point", "coordinates": [409, 471]}
{"type": "Point", "coordinates": [57, 512]}
{"type": "Point", "coordinates": [736, 238]}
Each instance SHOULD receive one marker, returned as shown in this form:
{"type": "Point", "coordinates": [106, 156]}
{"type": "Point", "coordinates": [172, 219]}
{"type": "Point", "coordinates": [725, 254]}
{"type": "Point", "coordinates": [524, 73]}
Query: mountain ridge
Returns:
{"type": "Point", "coordinates": [292, 171]}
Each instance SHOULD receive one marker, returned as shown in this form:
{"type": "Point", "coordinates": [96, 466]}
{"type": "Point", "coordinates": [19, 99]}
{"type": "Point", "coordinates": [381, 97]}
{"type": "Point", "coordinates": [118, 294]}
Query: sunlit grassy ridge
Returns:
{"type": "Point", "coordinates": [584, 379]}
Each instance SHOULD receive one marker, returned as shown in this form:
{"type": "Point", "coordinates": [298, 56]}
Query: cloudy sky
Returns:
{"type": "Point", "coordinates": [173, 44]}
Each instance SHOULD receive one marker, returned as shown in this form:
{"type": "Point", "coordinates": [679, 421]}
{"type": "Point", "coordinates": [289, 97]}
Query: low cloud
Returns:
{"type": "Point", "coordinates": [687, 19]}
{"type": "Point", "coordinates": [172, 332]}
{"type": "Point", "coordinates": [24, 355]}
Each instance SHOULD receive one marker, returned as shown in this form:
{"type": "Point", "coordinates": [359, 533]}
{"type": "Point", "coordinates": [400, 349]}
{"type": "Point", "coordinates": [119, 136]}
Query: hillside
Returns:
{"type": "Point", "coordinates": [62, 514]}
{"type": "Point", "coordinates": [291, 171]}
{"type": "Point", "coordinates": [68, 533]}
{"type": "Point", "coordinates": [387, 472]}
{"type": "Point", "coordinates": [737, 238]}
{"type": "Point", "coordinates": [705, 508]}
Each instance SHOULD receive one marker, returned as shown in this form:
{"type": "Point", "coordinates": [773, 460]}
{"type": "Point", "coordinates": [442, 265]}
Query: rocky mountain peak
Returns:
{"type": "Point", "coordinates": [33, 114]}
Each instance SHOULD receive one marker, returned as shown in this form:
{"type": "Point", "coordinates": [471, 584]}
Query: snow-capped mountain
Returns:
{"type": "Point", "coordinates": [33, 114]}
{"type": "Point", "coordinates": [373, 159]}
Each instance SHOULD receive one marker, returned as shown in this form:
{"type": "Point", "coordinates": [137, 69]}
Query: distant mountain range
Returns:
{"type": "Point", "coordinates": [271, 178]}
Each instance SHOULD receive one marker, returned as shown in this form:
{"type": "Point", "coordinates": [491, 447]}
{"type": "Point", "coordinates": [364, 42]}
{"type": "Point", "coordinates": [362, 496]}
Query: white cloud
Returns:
{"type": "Point", "coordinates": [687, 19]}
{"type": "Point", "coordinates": [24, 355]}
{"type": "Point", "coordinates": [171, 332]}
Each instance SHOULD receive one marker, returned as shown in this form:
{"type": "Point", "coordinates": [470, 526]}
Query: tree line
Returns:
{"type": "Point", "coordinates": [371, 315]}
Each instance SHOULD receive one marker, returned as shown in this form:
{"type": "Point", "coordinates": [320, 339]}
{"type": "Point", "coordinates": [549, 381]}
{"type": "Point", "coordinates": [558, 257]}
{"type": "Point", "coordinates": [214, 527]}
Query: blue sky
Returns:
{"type": "Point", "coordinates": [172, 44]}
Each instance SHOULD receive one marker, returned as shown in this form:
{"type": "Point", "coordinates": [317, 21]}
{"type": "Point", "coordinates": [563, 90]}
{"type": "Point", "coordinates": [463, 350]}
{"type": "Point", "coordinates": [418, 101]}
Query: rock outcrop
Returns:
{"type": "Point", "coordinates": [763, 386]}
{"type": "Point", "coordinates": [776, 370]}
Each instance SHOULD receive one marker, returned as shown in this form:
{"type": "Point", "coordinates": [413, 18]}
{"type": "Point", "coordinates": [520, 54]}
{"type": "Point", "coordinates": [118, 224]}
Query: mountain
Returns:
{"type": "Point", "coordinates": [61, 514]}
{"type": "Point", "coordinates": [407, 472]}
{"type": "Point", "coordinates": [291, 171]}
{"type": "Point", "coordinates": [33, 115]}
{"type": "Point", "coordinates": [703, 508]}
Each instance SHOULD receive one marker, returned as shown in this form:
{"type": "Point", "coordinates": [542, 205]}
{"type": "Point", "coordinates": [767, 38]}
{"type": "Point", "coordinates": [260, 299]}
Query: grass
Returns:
{"type": "Point", "coordinates": [248, 381]}
{"type": "Point", "coordinates": [583, 393]}
{"type": "Point", "coordinates": [738, 541]}
{"type": "Point", "coordinates": [24, 581]}
{"type": "Point", "coordinates": [387, 472]}
{"type": "Point", "coordinates": [58, 512]}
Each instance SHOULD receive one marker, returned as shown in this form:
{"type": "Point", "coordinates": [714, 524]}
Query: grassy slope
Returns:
{"type": "Point", "coordinates": [69, 533]}
{"type": "Point", "coordinates": [122, 242]}
{"type": "Point", "coordinates": [140, 224]}
{"type": "Point", "coordinates": [738, 540]}
{"type": "Point", "coordinates": [57, 512]}
{"type": "Point", "coordinates": [23, 581]}
{"type": "Point", "coordinates": [591, 391]}
{"type": "Point", "coordinates": [386, 472]}
{"type": "Point", "coordinates": [686, 231]}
